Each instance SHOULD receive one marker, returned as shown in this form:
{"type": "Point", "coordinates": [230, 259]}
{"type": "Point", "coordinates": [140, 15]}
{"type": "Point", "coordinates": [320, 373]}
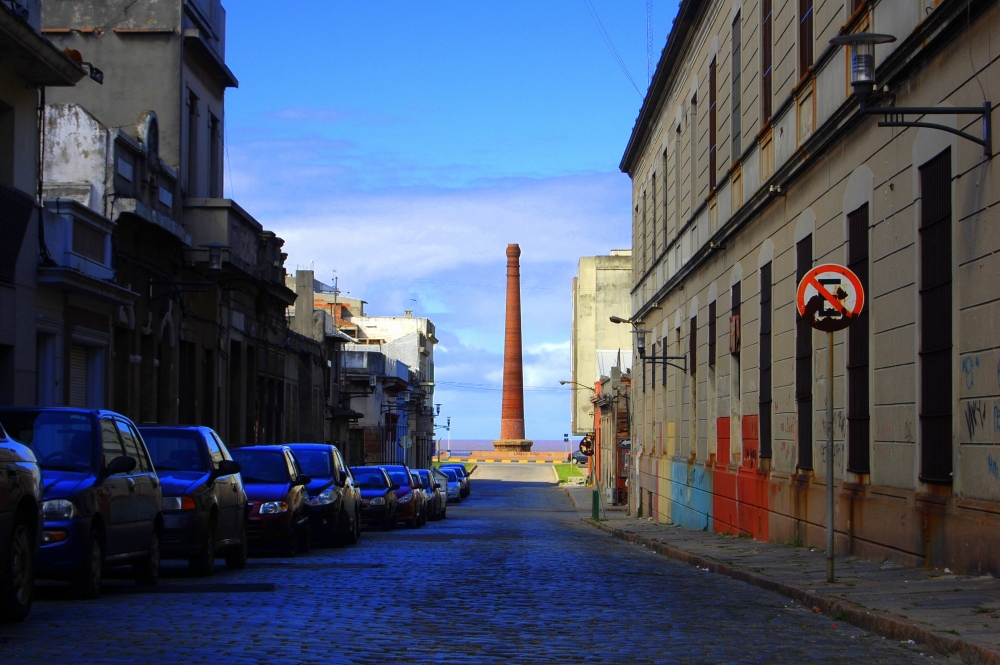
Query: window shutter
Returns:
{"type": "Point", "coordinates": [858, 371]}
{"type": "Point", "coordinates": [78, 376]}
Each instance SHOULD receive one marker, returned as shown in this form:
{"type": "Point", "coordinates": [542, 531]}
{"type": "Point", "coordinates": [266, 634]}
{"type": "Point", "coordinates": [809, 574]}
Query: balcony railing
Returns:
{"type": "Point", "coordinates": [79, 238]}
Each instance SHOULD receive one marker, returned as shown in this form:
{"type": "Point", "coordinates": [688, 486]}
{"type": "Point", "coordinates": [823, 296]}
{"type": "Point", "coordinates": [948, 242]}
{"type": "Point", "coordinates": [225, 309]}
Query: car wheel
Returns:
{"type": "Point", "coordinates": [444, 512]}
{"type": "Point", "coordinates": [18, 586]}
{"type": "Point", "coordinates": [203, 563]}
{"type": "Point", "coordinates": [88, 581]}
{"type": "Point", "coordinates": [236, 557]}
{"type": "Point", "coordinates": [349, 529]}
{"type": "Point", "coordinates": [147, 571]}
{"type": "Point", "coordinates": [303, 541]}
{"type": "Point", "coordinates": [357, 526]}
{"type": "Point", "coordinates": [344, 529]}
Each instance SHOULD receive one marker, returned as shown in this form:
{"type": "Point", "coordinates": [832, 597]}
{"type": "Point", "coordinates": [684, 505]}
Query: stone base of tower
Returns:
{"type": "Point", "coordinates": [512, 445]}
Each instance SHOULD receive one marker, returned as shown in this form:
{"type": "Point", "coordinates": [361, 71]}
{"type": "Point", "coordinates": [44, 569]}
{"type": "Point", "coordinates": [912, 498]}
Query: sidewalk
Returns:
{"type": "Point", "coordinates": [950, 614]}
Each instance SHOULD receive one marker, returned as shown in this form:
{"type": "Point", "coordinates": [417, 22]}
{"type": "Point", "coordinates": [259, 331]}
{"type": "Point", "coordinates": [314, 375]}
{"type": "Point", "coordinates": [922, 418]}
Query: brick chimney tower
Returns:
{"type": "Point", "coordinates": [512, 413]}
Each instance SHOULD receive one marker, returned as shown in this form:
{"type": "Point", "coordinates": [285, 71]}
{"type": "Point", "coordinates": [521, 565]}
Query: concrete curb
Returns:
{"type": "Point", "coordinates": [886, 625]}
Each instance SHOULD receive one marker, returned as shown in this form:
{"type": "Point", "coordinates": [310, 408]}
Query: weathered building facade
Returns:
{"type": "Point", "coordinates": [750, 164]}
{"type": "Point", "coordinates": [170, 296]}
{"type": "Point", "coordinates": [28, 64]}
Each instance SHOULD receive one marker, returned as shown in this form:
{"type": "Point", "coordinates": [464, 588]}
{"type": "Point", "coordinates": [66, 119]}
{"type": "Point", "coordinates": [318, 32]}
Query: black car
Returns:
{"type": "Point", "coordinates": [276, 488]}
{"type": "Point", "coordinates": [20, 527]}
{"type": "Point", "coordinates": [334, 499]}
{"type": "Point", "coordinates": [101, 494]}
{"type": "Point", "coordinates": [580, 458]}
{"type": "Point", "coordinates": [379, 505]}
{"type": "Point", "coordinates": [204, 503]}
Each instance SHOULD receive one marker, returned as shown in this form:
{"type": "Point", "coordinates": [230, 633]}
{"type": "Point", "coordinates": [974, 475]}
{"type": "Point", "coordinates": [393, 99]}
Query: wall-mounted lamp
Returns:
{"type": "Point", "coordinates": [214, 256]}
{"type": "Point", "coordinates": [94, 72]}
{"type": "Point", "coordinates": [640, 346]}
{"type": "Point", "coordinates": [863, 81]}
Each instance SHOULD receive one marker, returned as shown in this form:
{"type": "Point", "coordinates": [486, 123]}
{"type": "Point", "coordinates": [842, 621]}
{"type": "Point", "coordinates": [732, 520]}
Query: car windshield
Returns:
{"type": "Point", "coordinates": [315, 463]}
{"type": "Point", "coordinates": [452, 476]}
{"type": "Point", "coordinates": [266, 467]}
{"type": "Point", "coordinates": [175, 450]}
{"type": "Point", "coordinates": [423, 477]}
{"type": "Point", "coordinates": [400, 478]}
{"type": "Point", "coordinates": [61, 440]}
{"type": "Point", "coordinates": [369, 479]}
{"type": "Point", "coordinates": [459, 470]}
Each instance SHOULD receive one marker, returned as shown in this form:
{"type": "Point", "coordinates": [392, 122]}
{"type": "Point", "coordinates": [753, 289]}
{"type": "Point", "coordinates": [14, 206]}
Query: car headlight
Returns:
{"type": "Point", "coordinates": [378, 501]}
{"type": "Point", "coordinates": [327, 496]}
{"type": "Point", "coordinates": [59, 509]}
{"type": "Point", "coordinates": [273, 507]}
{"type": "Point", "coordinates": [406, 498]}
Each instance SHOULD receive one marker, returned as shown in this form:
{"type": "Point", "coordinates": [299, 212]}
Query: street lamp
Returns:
{"type": "Point", "coordinates": [863, 81]}
{"type": "Point", "coordinates": [640, 346]}
{"type": "Point", "coordinates": [566, 383]}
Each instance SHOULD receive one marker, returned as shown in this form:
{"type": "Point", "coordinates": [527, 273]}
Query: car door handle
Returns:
{"type": "Point", "coordinates": [11, 471]}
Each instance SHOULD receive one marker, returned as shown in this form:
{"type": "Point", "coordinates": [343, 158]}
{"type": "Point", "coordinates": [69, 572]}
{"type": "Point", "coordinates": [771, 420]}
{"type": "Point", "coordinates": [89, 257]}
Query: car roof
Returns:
{"type": "Point", "coordinates": [263, 446]}
{"type": "Point", "coordinates": [310, 446]}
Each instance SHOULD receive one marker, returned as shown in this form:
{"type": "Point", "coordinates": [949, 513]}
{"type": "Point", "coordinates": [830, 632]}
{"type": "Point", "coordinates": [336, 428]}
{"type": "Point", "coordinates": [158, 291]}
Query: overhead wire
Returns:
{"type": "Point", "coordinates": [611, 44]}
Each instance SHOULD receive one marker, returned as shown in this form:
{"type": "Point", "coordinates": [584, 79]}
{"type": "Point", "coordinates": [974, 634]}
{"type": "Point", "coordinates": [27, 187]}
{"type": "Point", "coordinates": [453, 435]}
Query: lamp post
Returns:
{"type": "Point", "coordinates": [863, 81]}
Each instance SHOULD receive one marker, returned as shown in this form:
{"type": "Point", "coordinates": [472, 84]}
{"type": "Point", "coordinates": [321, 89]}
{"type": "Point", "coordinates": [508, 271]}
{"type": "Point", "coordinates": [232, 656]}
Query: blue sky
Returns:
{"type": "Point", "coordinates": [404, 144]}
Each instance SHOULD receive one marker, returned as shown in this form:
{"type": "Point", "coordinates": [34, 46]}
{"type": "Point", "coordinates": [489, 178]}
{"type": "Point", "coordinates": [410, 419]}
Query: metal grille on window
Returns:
{"type": "Point", "coordinates": [858, 370]}
{"type": "Point", "coordinates": [765, 361]}
{"type": "Point", "coordinates": [935, 320]}
{"type": "Point", "coordinates": [803, 362]}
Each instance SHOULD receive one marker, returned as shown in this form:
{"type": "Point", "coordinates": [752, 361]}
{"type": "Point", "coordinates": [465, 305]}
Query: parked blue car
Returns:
{"type": "Point", "coordinates": [20, 528]}
{"type": "Point", "coordinates": [101, 495]}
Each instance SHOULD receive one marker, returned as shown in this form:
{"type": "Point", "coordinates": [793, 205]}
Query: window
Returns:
{"type": "Point", "coordinates": [192, 147]}
{"type": "Point", "coordinates": [665, 348]}
{"type": "Point", "coordinates": [765, 361]}
{"type": "Point", "coordinates": [111, 446]}
{"type": "Point", "coordinates": [677, 180]}
{"type": "Point", "coordinates": [935, 319]}
{"type": "Point", "coordinates": [214, 450]}
{"type": "Point", "coordinates": [858, 371]}
{"type": "Point", "coordinates": [803, 362]}
{"type": "Point", "coordinates": [653, 244]}
{"type": "Point", "coordinates": [668, 231]}
{"type": "Point", "coordinates": [693, 347]}
{"type": "Point", "coordinates": [693, 131]}
{"type": "Point", "coordinates": [131, 449]}
{"type": "Point", "coordinates": [711, 334]}
{"type": "Point", "coordinates": [737, 93]}
{"type": "Point", "coordinates": [215, 158]}
{"type": "Point", "coordinates": [734, 346]}
{"type": "Point", "coordinates": [712, 130]}
{"type": "Point", "coordinates": [805, 36]}
{"type": "Point", "coordinates": [645, 231]}
{"type": "Point", "coordinates": [765, 62]}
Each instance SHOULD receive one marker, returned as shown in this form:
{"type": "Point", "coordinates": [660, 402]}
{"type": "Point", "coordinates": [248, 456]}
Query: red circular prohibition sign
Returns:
{"type": "Point", "coordinates": [830, 297]}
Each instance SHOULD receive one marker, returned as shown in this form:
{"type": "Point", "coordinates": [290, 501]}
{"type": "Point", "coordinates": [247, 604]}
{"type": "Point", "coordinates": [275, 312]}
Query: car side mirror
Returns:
{"type": "Point", "coordinates": [343, 479]}
{"type": "Point", "coordinates": [302, 480]}
{"type": "Point", "coordinates": [120, 464]}
{"type": "Point", "coordinates": [437, 486]}
{"type": "Point", "coordinates": [227, 468]}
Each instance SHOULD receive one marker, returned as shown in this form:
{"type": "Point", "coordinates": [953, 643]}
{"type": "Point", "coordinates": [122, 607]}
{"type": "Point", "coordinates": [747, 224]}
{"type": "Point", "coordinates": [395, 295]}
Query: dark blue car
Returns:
{"type": "Point", "coordinates": [205, 508]}
{"type": "Point", "coordinates": [101, 495]}
{"type": "Point", "coordinates": [20, 527]}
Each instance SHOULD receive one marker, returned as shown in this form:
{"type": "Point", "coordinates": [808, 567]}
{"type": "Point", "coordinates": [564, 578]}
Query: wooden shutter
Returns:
{"type": "Point", "coordinates": [764, 366]}
{"type": "Point", "coordinates": [805, 36]}
{"type": "Point", "coordinates": [803, 362]}
{"type": "Point", "coordinates": [711, 334]}
{"type": "Point", "coordinates": [935, 320]}
{"type": "Point", "coordinates": [736, 307]}
{"type": "Point", "coordinates": [78, 376]}
{"type": "Point", "coordinates": [737, 93]}
{"type": "Point", "coordinates": [693, 346]}
{"type": "Point", "coordinates": [858, 370]}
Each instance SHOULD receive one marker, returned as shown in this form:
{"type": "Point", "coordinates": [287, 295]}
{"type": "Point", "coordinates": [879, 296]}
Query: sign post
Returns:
{"type": "Point", "coordinates": [830, 297]}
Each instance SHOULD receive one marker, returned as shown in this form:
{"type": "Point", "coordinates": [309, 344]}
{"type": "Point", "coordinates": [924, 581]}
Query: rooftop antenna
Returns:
{"type": "Point", "coordinates": [649, 42]}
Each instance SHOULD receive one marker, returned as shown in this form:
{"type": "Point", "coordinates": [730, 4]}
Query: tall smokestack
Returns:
{"type": "Point", "coordinates": [512, 412]}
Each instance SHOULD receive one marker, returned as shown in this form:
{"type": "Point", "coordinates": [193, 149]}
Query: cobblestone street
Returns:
{"type": "Point", "coordinates": [511, 576]}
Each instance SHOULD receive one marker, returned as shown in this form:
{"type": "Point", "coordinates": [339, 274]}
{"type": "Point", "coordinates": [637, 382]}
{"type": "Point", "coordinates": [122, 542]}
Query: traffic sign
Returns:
{"type": "Point", "coordinates": [830, 297]}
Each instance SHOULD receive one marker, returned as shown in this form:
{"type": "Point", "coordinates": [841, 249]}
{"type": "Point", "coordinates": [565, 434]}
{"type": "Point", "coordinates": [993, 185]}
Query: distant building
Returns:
{"type": "Point", "coordinates": [600, 290]}
{"type": "Point", "coordinates": [29, 63]}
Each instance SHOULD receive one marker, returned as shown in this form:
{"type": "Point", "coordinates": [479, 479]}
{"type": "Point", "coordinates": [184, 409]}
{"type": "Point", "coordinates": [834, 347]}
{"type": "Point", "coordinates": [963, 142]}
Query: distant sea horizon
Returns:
{"type": "Point", "coordinates": [538, 445]}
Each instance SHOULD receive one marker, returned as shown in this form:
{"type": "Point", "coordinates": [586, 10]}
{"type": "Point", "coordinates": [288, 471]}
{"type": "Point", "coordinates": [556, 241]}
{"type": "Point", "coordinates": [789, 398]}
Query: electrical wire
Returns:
{"type": "Point", "coordinates": [494, 387]}
{"type": "Point", "coordinates": [611, 44]}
